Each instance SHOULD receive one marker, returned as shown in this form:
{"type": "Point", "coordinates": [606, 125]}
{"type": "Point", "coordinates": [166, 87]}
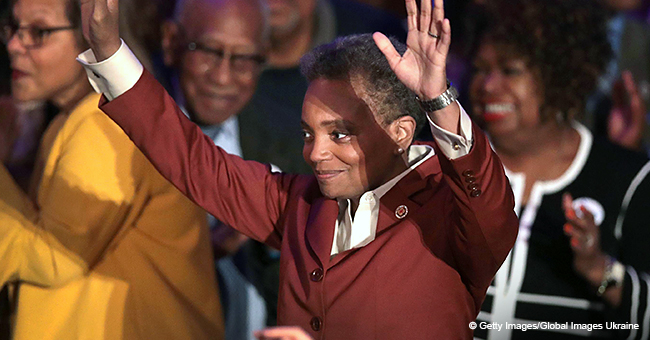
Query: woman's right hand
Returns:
{"type": "Point", "coordinates": [100, 23]}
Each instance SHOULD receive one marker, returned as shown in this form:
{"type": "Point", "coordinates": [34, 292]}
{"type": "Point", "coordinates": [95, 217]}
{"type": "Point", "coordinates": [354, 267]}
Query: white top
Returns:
{"type": "Point", "coordinates": [121, 71]}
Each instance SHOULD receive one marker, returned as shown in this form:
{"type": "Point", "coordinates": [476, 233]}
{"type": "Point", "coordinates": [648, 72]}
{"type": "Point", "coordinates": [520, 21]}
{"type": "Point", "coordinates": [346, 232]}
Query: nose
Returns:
{"type": "Point", "coordinates": [492, 82]}
{"type": "Point", "coordinates": [14, 46]}
{"type": "Point", "coordinates": [317, 150]}
{"type": "Point", "coordinates": [222, 73]}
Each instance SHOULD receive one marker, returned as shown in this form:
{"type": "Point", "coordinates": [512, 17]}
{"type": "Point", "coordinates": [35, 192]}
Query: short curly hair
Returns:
{"type": "Point", "coordinates": [358, 56]}
{"type": "Point", "coordinates": [564, 41]}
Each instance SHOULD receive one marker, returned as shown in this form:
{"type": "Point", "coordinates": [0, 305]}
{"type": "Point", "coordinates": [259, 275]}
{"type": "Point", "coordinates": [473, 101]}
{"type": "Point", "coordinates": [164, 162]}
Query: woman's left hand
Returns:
{"type": "Point", "coordinates": [589, 259]}
{"type": "Point", "coordinates": [422, 68]}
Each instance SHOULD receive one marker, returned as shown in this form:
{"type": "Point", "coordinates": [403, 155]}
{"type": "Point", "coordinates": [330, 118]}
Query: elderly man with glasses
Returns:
{"type": "Point", "coordinates": [216, 50]}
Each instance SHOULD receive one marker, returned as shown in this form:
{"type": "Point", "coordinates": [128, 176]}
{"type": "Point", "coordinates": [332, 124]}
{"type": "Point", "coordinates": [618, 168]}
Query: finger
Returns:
{"type": "Point", "coordinates": [425, 16]}
{"type": "Point", "coordinates": [584, 225]}
{"type": "Point", "coordinates": [438, 16]}
{"type": "Point", "coordinates": [567, 206]}
{"type": "Point", "coordinates": [411, 15]}
{"type": "Point", "coordinates": [588, 217]}
{"type": "Point", "coordinates": [387, 48]}
{"type": "Point", "coordinates": [445, 38]}
{"type": "Point", "coordinates": [579, 240]}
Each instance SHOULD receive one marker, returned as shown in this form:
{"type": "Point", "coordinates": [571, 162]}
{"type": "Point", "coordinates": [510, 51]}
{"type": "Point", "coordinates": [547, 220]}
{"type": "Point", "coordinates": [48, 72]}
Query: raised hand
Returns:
{"type": "Point", "coordinates": [626, 121]}
{"type": "Point", "coordinates": [422, 68]}
{"type": "Point", "coordinates": [100, 25]}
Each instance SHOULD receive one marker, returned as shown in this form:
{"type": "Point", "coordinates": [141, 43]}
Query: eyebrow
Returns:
{"type": "Point", "coordinates": [338, 123]}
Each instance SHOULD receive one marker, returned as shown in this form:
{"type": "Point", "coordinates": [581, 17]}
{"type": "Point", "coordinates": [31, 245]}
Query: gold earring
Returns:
{"type": "Point", "coordinates": [399, 151]}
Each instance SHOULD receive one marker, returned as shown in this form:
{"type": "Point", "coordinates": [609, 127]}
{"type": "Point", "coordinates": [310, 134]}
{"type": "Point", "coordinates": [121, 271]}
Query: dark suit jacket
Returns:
{"type": "Point", "coordinates": [423, 277]}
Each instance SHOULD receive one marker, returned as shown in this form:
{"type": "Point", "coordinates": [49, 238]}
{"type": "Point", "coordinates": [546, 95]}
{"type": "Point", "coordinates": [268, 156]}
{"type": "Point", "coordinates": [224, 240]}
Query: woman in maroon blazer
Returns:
{"type": "Point", "coordinates": [386, 239]}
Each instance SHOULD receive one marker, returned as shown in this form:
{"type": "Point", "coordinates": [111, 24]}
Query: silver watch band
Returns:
{"type": "Point", "coordinates": [445, 99]}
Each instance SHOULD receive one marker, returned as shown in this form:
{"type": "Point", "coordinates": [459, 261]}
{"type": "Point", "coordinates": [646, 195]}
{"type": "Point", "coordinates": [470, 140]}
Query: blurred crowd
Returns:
{"type": "Point", "coordinates": [562, 88]}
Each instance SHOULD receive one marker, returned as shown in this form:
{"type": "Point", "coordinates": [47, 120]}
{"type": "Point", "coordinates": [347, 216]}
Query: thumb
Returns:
{"type": "Point", "coordinates": [387, 48]}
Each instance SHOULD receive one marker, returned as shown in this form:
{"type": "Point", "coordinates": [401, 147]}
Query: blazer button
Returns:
{"type": "Point", "coordinates": [468, 173]}
{"type": "Point", "coordinates": [471, 179]}
{"type": "Point", "coordinates": [316, 323]}
{"type": "Point", "coordinates": [472, 186]}
{"type": "Point", "coordinates": [475, 193]}
{"type": "Point", "coordinates": [316, 275]}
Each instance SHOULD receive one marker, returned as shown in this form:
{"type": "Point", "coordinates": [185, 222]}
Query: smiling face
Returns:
{"type": "Point", "coordinates": [49, 71]}
{"type": "Point", "coordinates": [215, 90]}
{"type": "Point", "coordinates": [348, 148]}
{"type": "Point", "coordinates": [505, 93]}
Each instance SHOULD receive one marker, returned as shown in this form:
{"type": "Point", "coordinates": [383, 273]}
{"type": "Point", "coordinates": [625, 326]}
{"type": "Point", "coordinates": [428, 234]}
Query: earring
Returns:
{"type": "Point", "coordinates": [399, 151]}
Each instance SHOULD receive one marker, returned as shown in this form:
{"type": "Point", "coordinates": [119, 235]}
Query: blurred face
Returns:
{"type": "Point", "coordinates": [345, 144]}
{"type": "Point", "coordinates": [221, 60]}
{"type": "Point", "coordinates": [287, 15]}
{"type": "Point", "coordinates": [505, 94]}
{"type": "Point", "coordinates": [47, 71]}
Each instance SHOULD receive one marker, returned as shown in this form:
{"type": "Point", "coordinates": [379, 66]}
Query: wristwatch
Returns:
{"type": "Point", "coordinates": [440, 102]}
{"type": "Point", "coordinates": [613, 276]}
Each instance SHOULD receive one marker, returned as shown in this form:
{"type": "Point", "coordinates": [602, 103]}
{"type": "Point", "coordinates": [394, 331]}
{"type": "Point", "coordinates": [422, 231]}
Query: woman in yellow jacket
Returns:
{"type": "Point", "coordinates": [102, 247]}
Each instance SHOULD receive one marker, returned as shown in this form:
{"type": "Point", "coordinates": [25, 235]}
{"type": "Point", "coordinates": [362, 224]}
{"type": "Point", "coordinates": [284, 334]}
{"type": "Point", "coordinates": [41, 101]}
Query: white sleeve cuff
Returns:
{"type": "Point", "coordinates": [112, 76]}
{"type": "Point", "coordinates": [451, 144]}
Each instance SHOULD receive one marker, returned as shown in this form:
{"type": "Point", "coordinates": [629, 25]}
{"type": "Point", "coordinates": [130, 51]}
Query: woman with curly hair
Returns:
{"type": "Point", "coordinates": [579, 260]}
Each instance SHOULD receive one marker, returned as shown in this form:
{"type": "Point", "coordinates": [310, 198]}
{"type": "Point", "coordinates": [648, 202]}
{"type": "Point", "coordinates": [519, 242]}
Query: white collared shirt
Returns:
{"type": "Point", "coordinates": [358, 230]}
{"type": "Point", "coordinates": [122, 70]}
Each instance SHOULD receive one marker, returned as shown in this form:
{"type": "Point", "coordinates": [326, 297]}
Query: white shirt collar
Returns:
{"type": "Point", "coordinates": [354, 231]}
{"type": "Point", "coordinates": [417, 154]}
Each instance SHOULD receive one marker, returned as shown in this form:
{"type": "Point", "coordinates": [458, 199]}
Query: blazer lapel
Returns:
{"type": "Point", "coordinates": [320, 228]}
{"type": "Point", "coordinates": [407, 195]}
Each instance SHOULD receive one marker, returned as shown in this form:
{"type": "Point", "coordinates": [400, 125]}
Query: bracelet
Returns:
{"type": "Point", "coordinates": [613, 275]}
{"type": "Point", "coordinates": [440, 102]}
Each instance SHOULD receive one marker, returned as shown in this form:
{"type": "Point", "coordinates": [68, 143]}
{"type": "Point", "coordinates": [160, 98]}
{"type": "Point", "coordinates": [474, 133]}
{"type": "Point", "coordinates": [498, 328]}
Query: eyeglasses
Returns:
{"type": "Point", "coordinates": [242, 64]}
{"type": "Point", "coordinates": [30, 36]}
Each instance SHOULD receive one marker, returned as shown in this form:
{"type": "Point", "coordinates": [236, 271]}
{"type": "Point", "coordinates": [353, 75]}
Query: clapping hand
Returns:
{"type": "Point", "coordinates": [585, 241]}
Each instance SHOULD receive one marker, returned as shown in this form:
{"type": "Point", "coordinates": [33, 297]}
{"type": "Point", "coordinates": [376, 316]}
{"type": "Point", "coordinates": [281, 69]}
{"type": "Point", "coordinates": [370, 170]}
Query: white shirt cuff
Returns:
{"type": "Point", "coordinates": [112, 76]}
{"type": "Point", "coordinates": [451, 144]}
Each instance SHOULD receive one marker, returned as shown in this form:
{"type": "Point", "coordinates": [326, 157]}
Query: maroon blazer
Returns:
{"type": "Point", "coordinates": [423, 277]}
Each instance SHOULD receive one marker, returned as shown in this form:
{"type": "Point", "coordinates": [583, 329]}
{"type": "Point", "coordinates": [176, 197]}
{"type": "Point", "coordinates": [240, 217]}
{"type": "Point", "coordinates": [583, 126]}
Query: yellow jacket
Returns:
{"type": "Point", "coordinates": [101, 205]}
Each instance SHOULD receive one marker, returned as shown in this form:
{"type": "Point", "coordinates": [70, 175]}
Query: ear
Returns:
{"type": "Point", "coordinates": [402, 131]}
{"type": "Point", "coordinates": [170, 42]}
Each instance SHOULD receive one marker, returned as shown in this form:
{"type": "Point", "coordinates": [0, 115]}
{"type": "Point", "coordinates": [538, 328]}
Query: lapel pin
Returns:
{"type": "Point", "coordinates": [401, 211]}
